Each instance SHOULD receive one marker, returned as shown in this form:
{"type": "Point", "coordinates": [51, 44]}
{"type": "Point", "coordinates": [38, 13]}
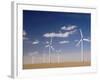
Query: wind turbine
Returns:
{"type": "Point", "coordinates": [81, 43]}
{"type": "Point", "coordinates": [44, 56]}
{"type": "Point", "coordinates": [32, 56]}
{"type": "Point", "coordinates": [49, 45]}
{"type": "Point", "coordinates": [58, 55]}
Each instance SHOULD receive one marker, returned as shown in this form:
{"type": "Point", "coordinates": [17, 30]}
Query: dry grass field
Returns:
{"type": "Point", "coordinates": [54, 65]}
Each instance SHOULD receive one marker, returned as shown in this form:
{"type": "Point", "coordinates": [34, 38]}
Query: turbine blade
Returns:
{"type": "Point", "coordinates": [47, 45]}
{"type": "Point", "coordinates": [86, 40]}
{"type": "Point", "coordinates": [81, 33]}
{"type": "Point", "coordinates": [78, 42]}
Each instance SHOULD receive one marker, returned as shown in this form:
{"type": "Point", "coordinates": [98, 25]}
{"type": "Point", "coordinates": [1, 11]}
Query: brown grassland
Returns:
{"type": "Point", "coordinates": [55, 65]}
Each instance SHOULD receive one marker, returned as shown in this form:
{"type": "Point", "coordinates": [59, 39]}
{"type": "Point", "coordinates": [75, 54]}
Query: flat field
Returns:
{"type": "Point", "coordinates": [55, 65]}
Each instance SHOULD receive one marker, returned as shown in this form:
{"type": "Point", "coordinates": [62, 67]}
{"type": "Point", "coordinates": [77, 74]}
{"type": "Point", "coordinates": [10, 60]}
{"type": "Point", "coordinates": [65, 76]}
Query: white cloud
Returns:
{"type": "Point", "coordinates": [73, 31]}
{"type": "Point", "coordinates": [66, 34]}
{"type": "Point", "coordinates": [69, 30]}
{"type": "Point", "coordinates": [71, 27]}
{"type": "Point", "coordinates": [62, 35]}
{"type": "Point", "coordinates": [63, 28]}
{"type": "Point", "coordinates": [63, 42]}
{"type": "Point", "coordinates": [35, 42]}
{"type": "Point", "coordinates": [49, 34]}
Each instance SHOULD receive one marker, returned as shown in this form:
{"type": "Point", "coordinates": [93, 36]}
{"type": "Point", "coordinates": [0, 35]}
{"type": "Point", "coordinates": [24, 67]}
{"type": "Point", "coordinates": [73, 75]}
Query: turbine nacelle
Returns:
{"type": "Point", "coordinates": [81, 39]}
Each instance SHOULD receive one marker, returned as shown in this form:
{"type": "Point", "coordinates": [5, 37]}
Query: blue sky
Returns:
{"type": "Point", "coordinates": [62, 26]}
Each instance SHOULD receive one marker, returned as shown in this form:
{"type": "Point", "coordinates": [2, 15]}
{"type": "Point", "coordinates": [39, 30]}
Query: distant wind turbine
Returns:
{"type": "Point", "coordinates": [81, 43]}
{"type": "Point", "coordinates": [58, 55]}
{"type": "Point", "coordinates": [49, 45]}
{"type": "Point", "coordinates": [32, 56]}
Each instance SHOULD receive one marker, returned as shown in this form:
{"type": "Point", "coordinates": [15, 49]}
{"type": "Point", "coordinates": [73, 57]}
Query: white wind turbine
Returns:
{"type": "Point", "coordinates": [81, 43]}
{"type": "Point", "coordinates": [32, 55]}
{"type": "Point", "coordinates": [58, 55]}
{"type": "Point", "coordinates": [49, 45]}
{"type": "Point", "coordinates": [44, 60]}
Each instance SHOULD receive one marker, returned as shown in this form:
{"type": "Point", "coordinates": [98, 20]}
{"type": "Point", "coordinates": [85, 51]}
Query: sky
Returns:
{"type": "Point", "coordinates": [39, 27]}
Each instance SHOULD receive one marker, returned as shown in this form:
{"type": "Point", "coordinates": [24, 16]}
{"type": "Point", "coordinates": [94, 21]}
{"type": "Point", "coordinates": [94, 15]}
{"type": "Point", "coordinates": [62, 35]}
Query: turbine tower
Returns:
{"type": "Point", "coordinates": [81, 43]}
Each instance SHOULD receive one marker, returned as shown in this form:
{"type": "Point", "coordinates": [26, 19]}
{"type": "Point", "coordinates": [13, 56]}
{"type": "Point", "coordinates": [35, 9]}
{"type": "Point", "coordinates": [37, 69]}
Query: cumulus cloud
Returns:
{"type": "Point", "coordinates": [63, 42]}
{"type": "Point", "coordinates": [71, 27]}
{"type": "Point", "coordinates": [63, 28]}
{"type": "Point", "coordinates": [69, 30]}
{"type": "Point", "coordinates": [66, 34]}
{"type": "Point", "coordinates": [49, 34]}
{"type": "Point", "coordinates": [35, 42]}
{"type": "Point", "coordinates": [61, 35]}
